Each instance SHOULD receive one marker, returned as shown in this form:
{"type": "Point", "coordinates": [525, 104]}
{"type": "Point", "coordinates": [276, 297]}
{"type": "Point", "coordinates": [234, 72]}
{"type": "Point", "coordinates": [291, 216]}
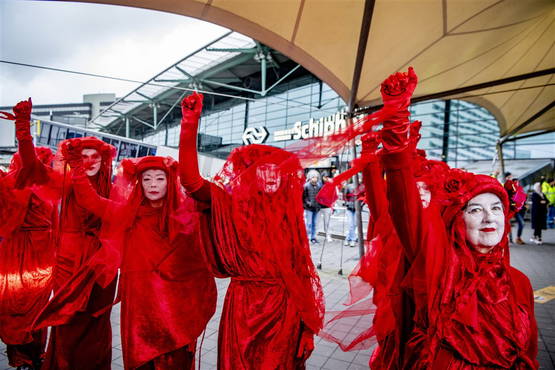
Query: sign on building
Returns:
{"type": "Point", "coordinates": [324, 126]}
{"type": "Point", "coordinates": [255, 135]}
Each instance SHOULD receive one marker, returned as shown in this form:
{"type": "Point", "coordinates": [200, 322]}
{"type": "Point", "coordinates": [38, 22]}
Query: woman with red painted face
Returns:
{"type": "Point", "coordinates": [478, 311]}
{"type": "Point", "coordinates": [256, 236]}
{"type": "Point", "coordinates": [27, 221]}
{"type": "Point", "coordinates": [166, 291]}
{"type": "Point", "coordinates": [85, 342]}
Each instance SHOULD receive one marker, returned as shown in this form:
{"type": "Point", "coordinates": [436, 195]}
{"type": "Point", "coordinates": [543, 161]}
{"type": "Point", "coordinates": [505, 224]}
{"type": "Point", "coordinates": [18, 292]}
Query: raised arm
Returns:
{"type": "Point", "coordinates": [22, 117]}
{"type": "Point", "coordinates": [192, 181]}
{"type": "Point", "coordinates": [405, 206]}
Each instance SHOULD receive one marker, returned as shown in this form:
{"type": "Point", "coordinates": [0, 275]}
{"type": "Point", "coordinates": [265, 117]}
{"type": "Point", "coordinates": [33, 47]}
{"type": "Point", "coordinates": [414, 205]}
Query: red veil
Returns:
{"type": "Point", "coordinates": [252, 217]}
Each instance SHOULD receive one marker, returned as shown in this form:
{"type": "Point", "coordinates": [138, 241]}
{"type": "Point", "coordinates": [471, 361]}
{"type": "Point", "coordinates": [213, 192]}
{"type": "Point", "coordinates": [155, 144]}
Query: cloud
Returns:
{"type": "Point", "coordinates": [110, 40]}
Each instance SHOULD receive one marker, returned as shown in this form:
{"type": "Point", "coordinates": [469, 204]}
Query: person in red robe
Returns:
{"type": "Point", "coordinates": [27, 221]}
{"type": "Point", "coordinates": [274, 303]}
{"type": "Point", "coordinates": [166, 291]}
{"type": "Point", "coordinates": [86, 341]}
{"type": "Point", "coordinates": [478, 311]}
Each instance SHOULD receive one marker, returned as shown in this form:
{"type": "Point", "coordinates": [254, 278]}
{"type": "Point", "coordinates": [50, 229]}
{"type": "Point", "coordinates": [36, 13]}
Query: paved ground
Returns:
{"type": "Point", "coordinates": [535, 261]}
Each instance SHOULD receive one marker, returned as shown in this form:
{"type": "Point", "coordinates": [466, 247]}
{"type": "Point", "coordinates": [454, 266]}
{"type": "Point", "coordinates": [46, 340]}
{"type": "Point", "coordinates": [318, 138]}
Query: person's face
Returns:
{"type": "Point", "coordinates": [268, 178]}
{"type": "Point", "coordinates": [485, 221]}
{"type": "Point", "coordinates": [155, 184]}
{"type": "Point", "coordinates": [314, 180]}
{"type": "Point", "coordinates": [425, 194]}
{"type": "Point", "coordinates": [91, 160]}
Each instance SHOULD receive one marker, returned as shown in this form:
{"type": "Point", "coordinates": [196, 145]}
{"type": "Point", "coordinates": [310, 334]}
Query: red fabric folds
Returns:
{"type": "Point", "coordinates": [27, 224]}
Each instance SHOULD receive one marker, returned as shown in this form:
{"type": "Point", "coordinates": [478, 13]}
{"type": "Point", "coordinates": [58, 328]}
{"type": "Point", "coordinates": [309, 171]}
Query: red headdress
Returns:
{"type": "Point", "coordinates": [128, 189]}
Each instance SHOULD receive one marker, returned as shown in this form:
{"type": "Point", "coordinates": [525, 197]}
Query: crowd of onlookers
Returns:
{"type": "Point", "coordinates": [316, 212]}
{"type": "Point", "coordinates": [540, 207]}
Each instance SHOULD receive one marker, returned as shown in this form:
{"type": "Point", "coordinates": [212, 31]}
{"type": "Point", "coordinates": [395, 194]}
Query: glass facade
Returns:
{"type": "Point", "coordinates": [456, 131]}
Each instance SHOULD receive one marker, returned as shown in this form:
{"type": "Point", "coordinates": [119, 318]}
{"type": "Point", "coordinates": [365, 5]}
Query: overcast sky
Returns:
{"type": "Point", "coordinates": [103, 39]}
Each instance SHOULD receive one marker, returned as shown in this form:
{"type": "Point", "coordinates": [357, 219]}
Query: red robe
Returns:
{"type": "Point", "coordinates": [26, 261]}
{"type": "Point", "coordinates": [261, 325]}
{"type": "Point", "coordinates": [167, 295]}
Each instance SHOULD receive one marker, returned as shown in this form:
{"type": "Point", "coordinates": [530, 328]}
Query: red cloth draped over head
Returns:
{"type": "Point", "coordinates": [265, 184]}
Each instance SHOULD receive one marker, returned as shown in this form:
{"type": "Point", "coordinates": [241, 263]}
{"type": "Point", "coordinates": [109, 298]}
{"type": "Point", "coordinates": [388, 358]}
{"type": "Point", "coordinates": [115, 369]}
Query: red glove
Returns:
{"type": "Point", "coordinates": [396, 92]}
{"type": "Point", "coordinates": [370, 143]}
{"type": "Point", "coordinates": [72, 154]}
{"type": "Point", "coordinates": [22, 117]}
{"type": "Point", "coordinates": [306, 345]}
{"type": "Point", "coordinates": [397, 89]}
{"type": "Point", "coordinates": [191, 108]}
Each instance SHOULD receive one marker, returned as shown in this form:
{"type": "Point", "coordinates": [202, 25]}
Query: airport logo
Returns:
{"type": "Point", "coordinates": [255, 135]}
{"type": "Point", "coordinates": [324, 126]}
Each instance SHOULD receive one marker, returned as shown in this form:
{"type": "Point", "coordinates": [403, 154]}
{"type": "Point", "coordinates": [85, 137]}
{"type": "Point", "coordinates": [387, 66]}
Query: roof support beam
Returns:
{"type": "Point", "coordinates": [544, 110]}
{"type": "Point", "coordinates": [475, 87]}
{"type": "Point", "coordinates": [361, 52]}
{"type": "Point", "coordinates": [532, 134]}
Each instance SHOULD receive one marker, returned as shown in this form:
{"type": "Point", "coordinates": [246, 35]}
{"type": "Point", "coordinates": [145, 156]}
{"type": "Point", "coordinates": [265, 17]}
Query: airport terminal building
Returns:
{"type": "Point", "coordinates": [254, 94]}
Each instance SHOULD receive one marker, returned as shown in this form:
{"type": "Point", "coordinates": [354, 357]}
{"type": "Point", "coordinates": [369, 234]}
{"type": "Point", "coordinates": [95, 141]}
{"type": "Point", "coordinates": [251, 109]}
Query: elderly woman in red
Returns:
{"type": "Point", "coordinates": [86, 341]}
{"type": "Point", "coordinates": [26, 254]}
{"type": "Point", "coordinates": [166, 292]}
{"type": "Point", "coordinates": [479, 311]}
{"type": "Point", "coordinates": [274, 303]}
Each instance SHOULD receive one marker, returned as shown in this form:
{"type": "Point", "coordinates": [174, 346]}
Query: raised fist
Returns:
{"type": "Point", "coordinates": [398, 88]}
{"type": "Point", "coordinates": [72, 153]}
{"type": "Point", "coordinates": [23, 109]}
{"type": "Point", "coordinates": [191, 107]}
{"type": "Point", "coordinates": [22, 118]}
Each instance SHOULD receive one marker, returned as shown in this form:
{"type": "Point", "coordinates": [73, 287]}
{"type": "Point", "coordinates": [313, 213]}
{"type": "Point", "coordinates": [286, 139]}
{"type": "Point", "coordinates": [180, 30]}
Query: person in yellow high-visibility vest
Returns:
{"type": "Point", "coordinates": [548, 188]}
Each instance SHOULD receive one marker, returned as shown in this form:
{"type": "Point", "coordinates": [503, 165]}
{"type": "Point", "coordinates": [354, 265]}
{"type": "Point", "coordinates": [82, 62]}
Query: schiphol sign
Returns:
{"type": "Point", "coordinates": [324, 126]}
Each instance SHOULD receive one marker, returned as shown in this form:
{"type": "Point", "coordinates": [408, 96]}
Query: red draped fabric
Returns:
{"type": "Point", "coordinates": [26, 261]}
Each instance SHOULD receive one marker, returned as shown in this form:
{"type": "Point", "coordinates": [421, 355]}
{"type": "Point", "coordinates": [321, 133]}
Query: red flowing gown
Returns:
{"type": "Point", "coordinates": [26, 262]}
{"type": "Point", "coordinates": [167, 294]}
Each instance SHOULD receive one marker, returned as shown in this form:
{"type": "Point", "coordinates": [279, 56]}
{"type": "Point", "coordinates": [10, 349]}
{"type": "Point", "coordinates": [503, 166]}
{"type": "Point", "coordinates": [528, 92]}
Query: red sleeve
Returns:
{"type": "Point", "coordinates": [189, 175]}
{"type": "Point", "coordinates": [405, 206]}
{"type": "Point", "coordinates": [88, 198]}
{"type": "Point", "coordinates": [375, 188]}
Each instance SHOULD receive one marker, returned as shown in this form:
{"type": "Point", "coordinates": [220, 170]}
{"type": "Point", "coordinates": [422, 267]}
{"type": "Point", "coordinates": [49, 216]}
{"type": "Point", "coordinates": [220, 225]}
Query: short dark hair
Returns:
{"type": "Point", "coordinates": [507, 174]}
